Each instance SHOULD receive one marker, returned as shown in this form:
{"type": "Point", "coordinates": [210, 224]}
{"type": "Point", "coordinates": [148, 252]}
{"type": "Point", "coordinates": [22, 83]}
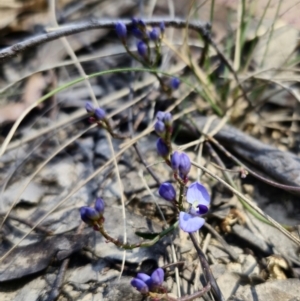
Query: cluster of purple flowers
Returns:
{"type": "Point", "coordinates": [197, 195]}
{"type": "Point", "coordinates": [145, 283]}
{"type": "Point", "coordinates": [144, 36]}
{"type": "Point", "coordinates": [198, 198]}
{"type": "Point", "coordinates": [163, 128]}
{"type": "Point", "coordinates": [97, 114]}
{"type": "Point", "coordinates": [180, 162]}
{"type": "Point", "coordinates": [140, 31]}
{"type": "Point", "coordinates": [93, 216]}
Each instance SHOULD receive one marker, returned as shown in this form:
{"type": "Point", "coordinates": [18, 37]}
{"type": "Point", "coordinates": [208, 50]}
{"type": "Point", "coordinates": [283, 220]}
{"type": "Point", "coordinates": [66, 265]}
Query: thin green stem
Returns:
{"type": "Point", "coordinates": [128, 246]}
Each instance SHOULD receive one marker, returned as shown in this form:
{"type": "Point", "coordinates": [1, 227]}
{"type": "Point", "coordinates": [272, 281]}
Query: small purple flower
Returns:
{"type": "Point", "coordinates": [144, 277]}
{"type": "Point", "coordinates": [157, 277]}
{"type": "Point", "coordinates": [145, 283]}
{"type": "Point", "coordinates": [159, 127]}
{"type": "Point", "coordinates": [167, 192]}
{"type": "Point", "coordinates": [154, 34]}
{"type": "Point", "coordinates": [99, 205]}
{"type": "Point", "coordinates": [100, 114]}
{"type": "Point", "coordinates": [174, 83]}
{"type": "Point", "coordinates": [160, 115]}
{"type": "Point", "coordinates": [142, 48]}
{"type": "Point", "coordinates": [89, 107]}
{"type": "Point", "coordinates": [175, 161]}
{"type": "Point", "coordinates": [140, 285]}
{"type": "Point", "coordinates": [162, 148]}
{"type": "Point", "coordinates": [121, 30]}
{"type": "Point", "coordinates": [181, 163]}
{"type": "Point", "coordinates": [168, 118]}
{"type": "Point", "coordinates": [184, 165]}
{"type": "Point", "coordinates": [89, 215]}
{"type": "Point", "coordinates": [199, 199]}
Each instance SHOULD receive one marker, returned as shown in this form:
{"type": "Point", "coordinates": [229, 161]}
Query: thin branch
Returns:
{"type": "Point", "coordinates": [70, 29]}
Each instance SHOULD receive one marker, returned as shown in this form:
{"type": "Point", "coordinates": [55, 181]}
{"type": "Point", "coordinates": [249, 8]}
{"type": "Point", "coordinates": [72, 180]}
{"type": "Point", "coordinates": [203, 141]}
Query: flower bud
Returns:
{"type": "Point", "coordinates": [174, 83]}
{"type": "Point", "coordinates": [144, 277]}
{"type": "Point", "coordinates": [140, 285]}
{"type": "Point", "coordinates": [167, 192]}
{"type": "Point", "coordinates": [157, 277]}
{"type": "Point", "coordinates": [89, 215]}
{"type": "Point", "coordinates": [99, 205]}
{"type": "Point", "coordinates": [142, 48]}
{"type": "Point", "coordinates": [159, 127]}
{"type": "Point", "coordinates": [162, 148]}
{"type": "Point", "coordinates": [89, 107]}
{"type": "Point", "coordinates": [121, 30]}
{"type": "Point", "coordinates": [100, 114]}
{"type": "Point", "coordinates": [154, 34]}
{"type": "Point", "coordinates": [175, 161]}
{"type": "Point", "coordinates": [184, 165]}
{"type": "Point", "coordinates": [160, 115]}
{"type": "Point", "coordinates": [168, 119]}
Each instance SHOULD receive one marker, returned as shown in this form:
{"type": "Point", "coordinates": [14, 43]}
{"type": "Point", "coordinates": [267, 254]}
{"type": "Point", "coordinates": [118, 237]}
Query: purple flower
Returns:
{"type": "Point", "coordinates": [91, 215]}
{"type": "Point", "coordinates": [142, 48]}
{"type": "Point", "coordinates": [145, 283]}
{"type": "Point", "coordinates": [144, 277]}
{"type": "Point", "coordinates": [175, 161]}
{"type": "Point", "coordinates": [140, 285]}
{"type": "Point", "coordinates": [168, 118]}
{"type": "Point", "coordinates": [167, 192]}
{"type": "Point", "coordinates": [160, 115]}
{"type": "Point", "coordinates": [199, 199]}
{"type": "Point", "coordinates": [159, 127]}
{"type": "Point", "coordinates": [184, 165]}
{"type": "Point", "coordinates": [165, 117]}
{"type": "Point", "coordinates": [99, 205]}
{"type": "Point", "coordinates": [121, 30]}
{"type": "Point", "coordinates": [89, 107]}
{"type": "Point", "coordinates": [100, 114]}
{"type": "Point", "coordinates": [162, 148]}
{"type": "Point", "coordinates": [157, 277]}
{"type": "Point", "coordinates": [174, 83]}
{"type": "Point", "coordinates": [154, 34]}
{"type": "Point", "coordinates": [181, 163]}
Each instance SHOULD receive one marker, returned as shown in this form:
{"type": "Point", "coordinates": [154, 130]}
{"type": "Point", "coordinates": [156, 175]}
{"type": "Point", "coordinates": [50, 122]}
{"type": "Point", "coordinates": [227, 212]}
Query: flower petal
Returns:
{"type": "Point", "coordinates": [157, 276]}
{"type": "Point", "coordinates": [144, 277]}
{"type": "Point", "coordinates": [202, 209]}
{"type": "Point", "coordinates": [162, 148]}
{"type": "Point", "coordinates": [99, 205]}
{"type": "Point", "coordinates": [167, 191]}
{"type": "Point", "coordinates": [175, 161]}
{"type": "Point", "coordinates": [197, 193]}
{"type": "Point", "coordinates": [190, 223]}
{"type": "Point", "coordinates": [140, 285]}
